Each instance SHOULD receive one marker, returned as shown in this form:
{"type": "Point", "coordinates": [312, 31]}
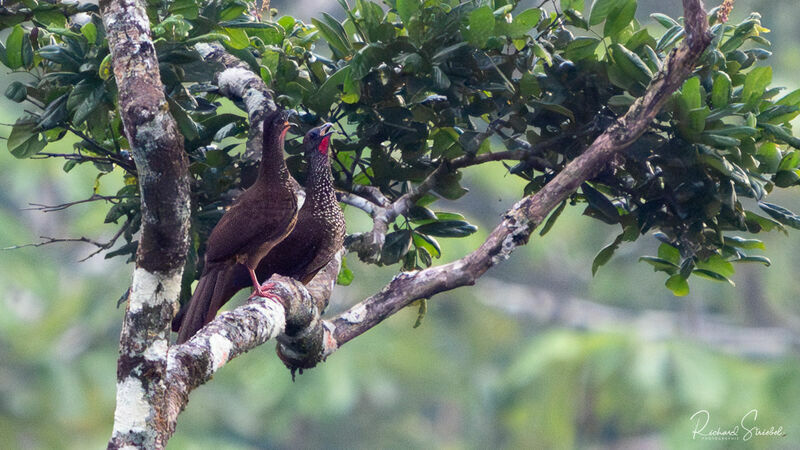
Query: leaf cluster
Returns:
{"type": "Point", "coordinates": [415, 85]}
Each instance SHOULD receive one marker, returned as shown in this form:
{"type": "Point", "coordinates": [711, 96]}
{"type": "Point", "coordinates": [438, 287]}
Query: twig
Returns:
{"type": "Point", "coordinates": [100, 245]}
{"type": "Point", "coordinates": [95, 197]}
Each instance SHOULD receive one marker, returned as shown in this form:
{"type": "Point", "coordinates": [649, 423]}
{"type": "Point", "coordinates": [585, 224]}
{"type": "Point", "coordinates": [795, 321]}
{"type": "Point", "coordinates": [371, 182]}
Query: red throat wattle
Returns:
{"type": "Point", "coordinates": [323, 146]}
{"type": "Point", "coordinates": [286, 127]}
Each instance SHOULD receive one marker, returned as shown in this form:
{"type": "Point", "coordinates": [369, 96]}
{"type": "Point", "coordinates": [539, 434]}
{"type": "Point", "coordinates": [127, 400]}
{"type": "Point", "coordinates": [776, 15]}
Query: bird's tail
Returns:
{"type": "Point", "coordinates": [207, 299]}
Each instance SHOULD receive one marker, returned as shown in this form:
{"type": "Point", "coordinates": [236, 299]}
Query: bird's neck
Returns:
{"type": "Point", "coordinates": [272, 166]}
{"type": "Point", "coordinates": [320, 182]}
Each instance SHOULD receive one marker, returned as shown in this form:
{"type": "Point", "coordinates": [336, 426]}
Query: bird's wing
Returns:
{"type": "Point", "coordinates": [244, 225]}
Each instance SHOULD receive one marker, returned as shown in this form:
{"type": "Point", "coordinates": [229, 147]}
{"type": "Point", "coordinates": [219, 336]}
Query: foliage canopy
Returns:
{"type": "Point", "coordinates": [414, 85]}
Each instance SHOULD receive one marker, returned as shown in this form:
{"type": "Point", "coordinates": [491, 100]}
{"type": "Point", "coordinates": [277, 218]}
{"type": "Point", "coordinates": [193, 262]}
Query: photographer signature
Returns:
{"type": "Point", "coordinates": [745, 431]}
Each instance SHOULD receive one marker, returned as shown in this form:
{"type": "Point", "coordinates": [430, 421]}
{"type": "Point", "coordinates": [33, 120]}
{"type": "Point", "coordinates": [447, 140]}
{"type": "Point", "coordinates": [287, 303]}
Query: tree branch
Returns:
{"type": "Point", "coordinates": [239, 83]}
{"type": "Point", "coordinates": [527, 214]}
{"type": "Point", "coordinates": [162, 167]}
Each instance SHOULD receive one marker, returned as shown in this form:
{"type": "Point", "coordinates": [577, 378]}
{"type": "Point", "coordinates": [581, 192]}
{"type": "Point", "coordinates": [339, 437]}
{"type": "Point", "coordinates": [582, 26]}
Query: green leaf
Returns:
{"type": "Point", "coordinates": [619, 19]}
{"type": "Point", "coordinates": [631, 64]}
{"type": "Point", "coordinates": [678, 285]}
{"type": "Point", "coordinates": [747, 244]}
{"type": "Point", "coordinates": [16, 92]}
{"type": "Point", "coordinates": [448, 186]}
{"type": "Point", "coordinates": [61, 55]}
{"type": "Point", "coordinates": [599, 202]}
{"type": "Point", "coordinates": [581, 48]}
{"type": "Point", "coordinates": [395, 246]}
{"type": "Point", "coordinates": [717, 264]}
{"type": "Point", "coordinates": [239, 39]}
{"type": "Point", "coordinates": [665, 20]}
{"type": "Point", "coordinates": [481, 26]}
{"type": "Point", "coordinates": [84, 98]}
{"type": "Point", "coordinates": [345, 276]}
{"type": "Point", "coordinates": [690, 93]}
{"type": "Point", "coordinates": [604, 255]}
{"type": "Point", "coordinates": [24, 141]}
{"type": "Point", "coordinates": [769, 156]}
{"type": "Point", "coordinates": [602, 8]}
{"type": "Point", "coordinates": [669, 253]}
{"type": "Point", "coordinates": [759, 259]}
{"type": "Point", "coordinates": [577, 5]}
{"type": "Point", "coordinates": [14, 47]}
{"type": "Point", "coordinates": [553, 217]}
{"type": "Point", "coordinates": [90, 31]}
{"type": "Point", "coordinates": [523, 23]}
{"type": "Point", "coordinates": [54, 114]}
{"type": "Point", "coordinates": [660, 264]}
{"type": "Point", "coordinates": [189, 9]}
{"type": "Point", "coordinates": [449, 228]}
{"type": "Point", "coordinates": [721, 90]}
{"type": "Point", "coordinates": [327, 92]}
{"type": "Point", "coordinates": [428, 243]}
{"type": "Point", "coordinates": [407, 8]}
{"type": "Point", "coordinates": [780, 133]}
{"type": "Point", "coordinates": [755, 84]}
{"type": "Point", "coordinates": [781, 214]}
{"type": "Point", "coordinates": [711, 275]}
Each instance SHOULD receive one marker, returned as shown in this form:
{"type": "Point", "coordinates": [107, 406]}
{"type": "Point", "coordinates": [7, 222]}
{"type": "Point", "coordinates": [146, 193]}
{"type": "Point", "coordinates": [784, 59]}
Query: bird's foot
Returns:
{"type": "Point", "coordinates": [266, 292]}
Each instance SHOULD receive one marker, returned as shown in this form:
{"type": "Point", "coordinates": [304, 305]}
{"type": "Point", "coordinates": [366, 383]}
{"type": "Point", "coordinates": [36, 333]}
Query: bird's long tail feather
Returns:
{"type": "Point", "coordinates": [194, 316]}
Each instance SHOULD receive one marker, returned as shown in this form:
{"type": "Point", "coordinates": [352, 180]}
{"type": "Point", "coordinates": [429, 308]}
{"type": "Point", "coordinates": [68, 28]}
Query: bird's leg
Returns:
{"type": "Point", "coordinates": [262, 291]}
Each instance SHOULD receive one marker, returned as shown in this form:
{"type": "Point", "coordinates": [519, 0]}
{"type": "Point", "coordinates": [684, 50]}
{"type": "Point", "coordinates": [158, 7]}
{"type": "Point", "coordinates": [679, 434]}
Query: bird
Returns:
{"type": "Point", "coordinates": [320, 230]}
{"type": "Point", "coordinates": [260, 218]}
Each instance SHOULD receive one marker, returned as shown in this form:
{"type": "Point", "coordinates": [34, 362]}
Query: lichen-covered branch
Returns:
{"type": "Point", "coordinates": [522, 219]}
{"type": "Point", "coordinates": [239, 83]}
{"type": "Point", "coordinates": [227, 336]}
{"type": "Point", "coordinates": [162, 168]}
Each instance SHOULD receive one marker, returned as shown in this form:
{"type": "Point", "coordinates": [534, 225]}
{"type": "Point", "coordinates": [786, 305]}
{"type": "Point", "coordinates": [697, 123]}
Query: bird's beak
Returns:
{"type": "Point", "coordinates": [327, 129]}
{"type": "Point", "coordinates": [289, 115]}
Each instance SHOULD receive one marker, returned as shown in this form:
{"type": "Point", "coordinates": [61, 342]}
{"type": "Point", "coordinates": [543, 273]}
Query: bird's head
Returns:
{"type": "Point", "coordinates": [278, 122]}
{"type": "Point", "coordinates": [318, 140]}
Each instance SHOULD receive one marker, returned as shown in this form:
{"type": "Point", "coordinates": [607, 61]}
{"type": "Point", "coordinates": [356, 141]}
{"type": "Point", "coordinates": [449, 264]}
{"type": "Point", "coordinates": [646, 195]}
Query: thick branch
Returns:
{"type": "Point", "coordinates": [246, 327]}
{"type": "Point", "coordinates": [224, 338]}
{"type": "Point", "coordinates": [239, 83]}
{"type": "Point", "coordinates": [520, 221]}
{"type": "Point", "coordinates": [162, 167]}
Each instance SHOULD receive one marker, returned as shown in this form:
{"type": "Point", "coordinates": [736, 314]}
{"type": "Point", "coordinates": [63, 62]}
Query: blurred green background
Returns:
{"type": "Point", "coordinates": [537, 355]}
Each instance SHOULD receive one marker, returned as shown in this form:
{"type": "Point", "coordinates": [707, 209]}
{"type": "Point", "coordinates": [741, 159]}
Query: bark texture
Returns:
{"type": "Point", "coordinates": [162, 167]}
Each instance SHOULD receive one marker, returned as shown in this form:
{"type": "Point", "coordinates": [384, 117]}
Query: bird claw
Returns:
{"type": "Point", "coordinates": [266, 292]}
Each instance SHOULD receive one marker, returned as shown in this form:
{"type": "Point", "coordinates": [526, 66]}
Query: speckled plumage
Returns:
{"type": "Point", "coordinates": [320, 228]}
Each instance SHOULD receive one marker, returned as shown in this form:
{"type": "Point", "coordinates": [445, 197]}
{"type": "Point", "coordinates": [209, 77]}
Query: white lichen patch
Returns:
{"type": "Point", "coordinates": [519, 231]}
{"type": "Point", "coordinates": [274, 316]}
{"type": "Point", "coordinates": [149, 133]}
{"type": "Point", "coordinates": [234, 80]}
{"type": "Point", "coordinates": [157, 351]}
{"type": "Point", "coordinates": [152, 289]}
{"type": "Point", "coordinates": [254, 100]}
{"type": "Point", "coordinates": [132, 408]}
{"type": "Point", "coordinates": [220, 349]}
{"type": "Point", "coordinates": [357, 314]}
{"type": "Point", "coordinates": [204, 49]}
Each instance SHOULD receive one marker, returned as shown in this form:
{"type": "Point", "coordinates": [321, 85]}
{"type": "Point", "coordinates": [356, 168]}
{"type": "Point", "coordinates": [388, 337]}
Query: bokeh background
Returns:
{"type": "Point", "coordinates": [539, 354]}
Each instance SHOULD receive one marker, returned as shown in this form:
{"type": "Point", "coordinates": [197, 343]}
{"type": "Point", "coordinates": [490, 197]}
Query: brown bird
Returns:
{"type": "Point", "coordinates": [320, 228]}
{"type": "Point", "coordinates": [317, 235]}
{"type": "Point", "coordinates": [259, 219]}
